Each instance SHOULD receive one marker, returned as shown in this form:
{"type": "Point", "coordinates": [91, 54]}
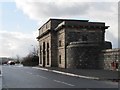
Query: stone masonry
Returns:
{"type": "Point", "coordinates": [68, 43]}
{"type": "Point", "coordinates": [110, 59]}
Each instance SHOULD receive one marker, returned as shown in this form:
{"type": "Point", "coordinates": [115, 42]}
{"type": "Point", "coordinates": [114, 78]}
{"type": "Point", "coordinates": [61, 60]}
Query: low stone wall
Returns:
{"type": "Point", "coordinates": [110, 59]}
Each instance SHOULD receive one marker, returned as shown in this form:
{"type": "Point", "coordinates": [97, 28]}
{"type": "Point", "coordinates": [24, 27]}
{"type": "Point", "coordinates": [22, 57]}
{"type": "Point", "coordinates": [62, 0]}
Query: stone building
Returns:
{"type": "Point", "coordinates": [68, 43]}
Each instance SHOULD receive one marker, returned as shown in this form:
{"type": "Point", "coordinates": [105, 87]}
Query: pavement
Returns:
{"type": "Point", "coordinates": [85, 73]}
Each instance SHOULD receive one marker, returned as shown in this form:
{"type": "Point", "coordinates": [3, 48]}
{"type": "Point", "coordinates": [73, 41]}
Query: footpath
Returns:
{"type": "Point", "coordinates": [86, 73]}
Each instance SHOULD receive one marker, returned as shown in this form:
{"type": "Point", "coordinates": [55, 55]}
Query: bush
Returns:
{"type": "Point", "coordinates": [30, 60]}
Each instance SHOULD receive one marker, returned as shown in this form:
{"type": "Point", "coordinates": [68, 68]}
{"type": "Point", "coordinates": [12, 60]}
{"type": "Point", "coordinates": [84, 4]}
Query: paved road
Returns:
{"type": "Point", "coordinates": [28, 77]}
{"type": "Point", "coordinates": [0, 77]}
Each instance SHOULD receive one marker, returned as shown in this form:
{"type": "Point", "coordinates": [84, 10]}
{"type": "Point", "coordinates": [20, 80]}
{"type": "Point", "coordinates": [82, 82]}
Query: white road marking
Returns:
{"type": "Point", "coordinates": [42, 76]}
{"type": "Point", "coordinates": [64, 83]}
{"type": "Point", "coordinates": [69, 74]}
{"type": "Point", "coordinates": [41, 68]}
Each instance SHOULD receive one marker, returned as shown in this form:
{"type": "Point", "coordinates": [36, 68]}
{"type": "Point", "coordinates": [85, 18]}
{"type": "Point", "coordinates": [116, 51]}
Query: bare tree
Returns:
{"type": "Point", "coordinates": [17, 59]}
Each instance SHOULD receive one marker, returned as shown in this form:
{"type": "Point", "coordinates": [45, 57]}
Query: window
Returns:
{"type": "Point", "coordinates": [84, 38]}
{"type": "Point", "coordinates": [60, 43]}
{"type": "Point", "coordinates": [47, 53]}
{"type": "Point", "coordinates": [40, 55]}
{"type": "Point", "coordinates": [59, 59]}
{"type": "Point", "coordinates": [44, 54]}
{"type": "Point", "coordinates": [43, 47]}
{"type": "Point", "coordinates": [47, 47]}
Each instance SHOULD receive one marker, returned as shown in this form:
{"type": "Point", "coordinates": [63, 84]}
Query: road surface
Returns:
{"type": "Point", "coordinates": [28, 77]}
{"type": "Point", "coordinates": [0, 77]}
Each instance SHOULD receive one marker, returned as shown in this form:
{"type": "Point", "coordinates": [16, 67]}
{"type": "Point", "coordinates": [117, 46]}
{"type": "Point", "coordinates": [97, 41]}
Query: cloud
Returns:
{"type": "Point", "coordinates": [119, 40]}
{"type": "Point", "coordinates": [16, 43]}
{"type": "Point", "coordinates": [111, 37]}
{"type": "Point", "coordinates": [105, 11]}
{"type": "Point", "coordinates": [40, 11]}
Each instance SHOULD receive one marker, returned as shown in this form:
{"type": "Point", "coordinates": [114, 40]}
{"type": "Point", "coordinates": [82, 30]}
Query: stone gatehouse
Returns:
{"type": "Point", "coordinates": [68, 43]}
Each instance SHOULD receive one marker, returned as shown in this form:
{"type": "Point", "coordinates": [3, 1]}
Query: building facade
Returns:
{"type": "Point", "coordinates": [69, 43]}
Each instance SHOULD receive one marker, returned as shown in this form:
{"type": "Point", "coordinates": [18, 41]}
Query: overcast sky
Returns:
{"type": "Point", "coordinates": [22, 18]}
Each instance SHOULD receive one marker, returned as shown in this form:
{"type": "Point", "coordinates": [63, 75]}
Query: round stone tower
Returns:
{"type": "Point", "coordinates": [83, 54]}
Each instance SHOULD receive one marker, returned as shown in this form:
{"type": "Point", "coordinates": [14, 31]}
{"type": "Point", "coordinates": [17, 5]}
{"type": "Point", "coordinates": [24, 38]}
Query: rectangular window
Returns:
{"type": "Point", "coordinates": [47, 53]}
{"type": "Point", "coordinates": [59, 59]}
{"type": "Point", "coordinates": [44, 54]}
{"type": "Point", "coordinates": [40, 55]}
{"type": "Point", "coordinates": [84, 38]}
{"type": "Point", "coordinates": [60, 43]}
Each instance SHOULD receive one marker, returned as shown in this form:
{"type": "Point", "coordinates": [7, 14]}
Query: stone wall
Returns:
{"type": "Point", "coordinates": [54, 50]}
{"type": "Point", "coordinates": [110, 59]}
{"type": "Point", "coordinates": [45, 51]}
{"type": "Point", "coordinates": [83, 55]}
{"type": "Point", "coordinates": [48, 53]}
{"type": "Point", "coordinates": [61, 48]}
{"type": "Point", "coordinates": [74, 35]}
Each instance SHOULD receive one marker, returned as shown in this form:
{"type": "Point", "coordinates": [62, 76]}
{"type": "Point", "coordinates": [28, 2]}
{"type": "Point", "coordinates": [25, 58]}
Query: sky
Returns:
{"type": "Point", "coordinates": [20, 20]}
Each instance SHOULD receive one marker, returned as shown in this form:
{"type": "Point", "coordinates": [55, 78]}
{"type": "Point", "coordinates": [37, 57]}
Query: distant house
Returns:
{"type": "Point", "coordinates": [68, 43]}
